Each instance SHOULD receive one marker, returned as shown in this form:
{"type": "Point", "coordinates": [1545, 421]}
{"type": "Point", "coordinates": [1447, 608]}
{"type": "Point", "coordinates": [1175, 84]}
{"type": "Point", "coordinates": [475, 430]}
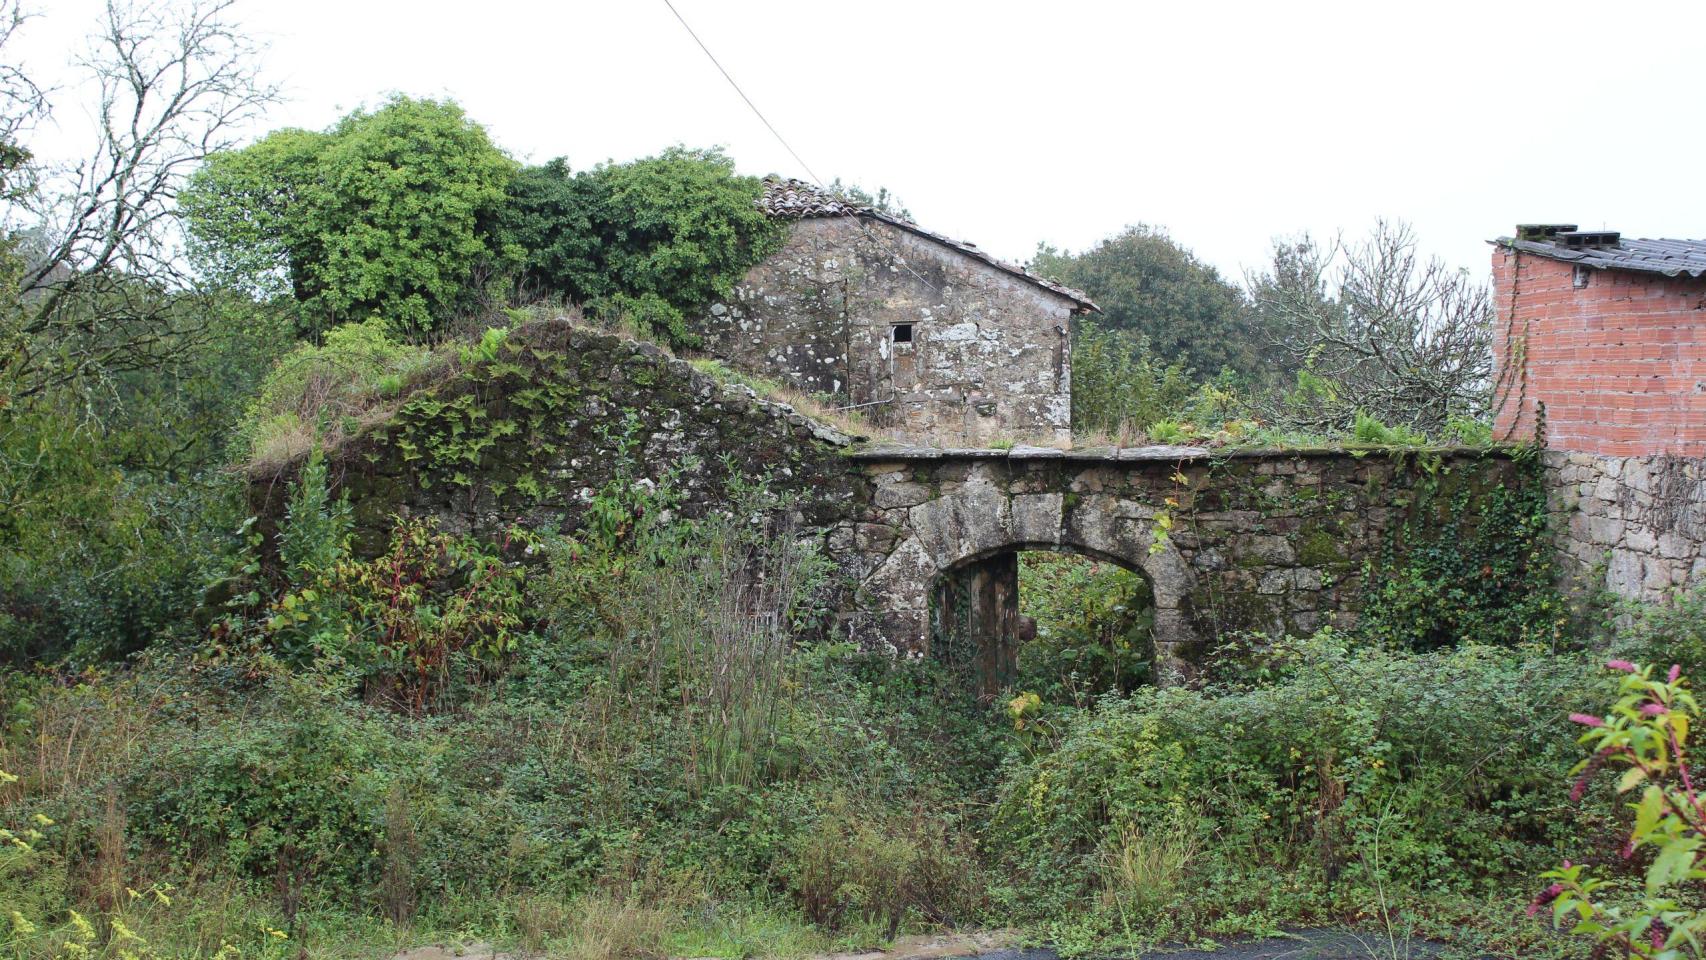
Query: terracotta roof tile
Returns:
{"type": "Point", "coordinates": [799, 200]}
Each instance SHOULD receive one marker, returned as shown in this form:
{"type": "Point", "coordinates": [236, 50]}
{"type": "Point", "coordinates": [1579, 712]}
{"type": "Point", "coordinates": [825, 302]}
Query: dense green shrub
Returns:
{"type": "Point", "coordinates": [648, 241]}
{"type": "Point", "coordinates": [1269, 800]}
{"type": "Point", "coordinates": [387, 214]}
{"type": "Point", "coordinates": [97, 560]}
{"type": "Point", "coordinates": [1094, 625]}
{"type": "Point", "coordinates": [1119, 384]}
{"type": "Point", "coordinates": [116, 506]}
{"type": "Point", "coordinates": [291, 791]}
{"type": "Point", "coordinates": [1672, 630]}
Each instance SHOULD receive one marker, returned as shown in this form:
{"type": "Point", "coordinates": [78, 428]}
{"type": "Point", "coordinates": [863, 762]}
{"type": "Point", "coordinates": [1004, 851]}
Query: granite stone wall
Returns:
{"type": "Point", "coordinates": [981, 356]}
{"type": "Point", "coordinates": [1264, 541]}
{"type": "Point", "coordinates": [1634, 527]}
{"type": "Point", "coordinates": [1271, 542]}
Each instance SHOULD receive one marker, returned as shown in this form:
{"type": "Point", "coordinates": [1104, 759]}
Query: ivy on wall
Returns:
{"type": "Point", "coordinates": [1469, 563]}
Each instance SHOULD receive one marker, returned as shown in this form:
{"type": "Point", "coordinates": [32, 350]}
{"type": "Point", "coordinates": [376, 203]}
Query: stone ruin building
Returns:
{"type": "Point", "coordinates": [929, 338]}
{"type": "Point", "coordinates": [1606, 335]}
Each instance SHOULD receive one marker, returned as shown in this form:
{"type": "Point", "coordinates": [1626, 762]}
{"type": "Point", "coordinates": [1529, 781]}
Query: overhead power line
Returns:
{"type": "Point", "coordinates": [857, 219]}
{"type": "Point", "coordinates": [756, 112]}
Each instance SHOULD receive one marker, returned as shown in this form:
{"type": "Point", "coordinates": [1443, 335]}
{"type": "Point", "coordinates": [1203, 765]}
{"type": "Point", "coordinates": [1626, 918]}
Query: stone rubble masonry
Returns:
{"type": "Point", "coordinates": [1262, 541]}
{"type": "Point", "coordinates": [1265, 541]}
{"type": "Point", "coordinates": [1632, 526]}
{"type": "Point", "coordinates": [989, 356]}
{"type": "Point", "coordinates": [518, 463]}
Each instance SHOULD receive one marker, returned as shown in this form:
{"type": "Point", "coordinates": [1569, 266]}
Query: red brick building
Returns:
{"type": "Point", "coordinates": [1609, 333]}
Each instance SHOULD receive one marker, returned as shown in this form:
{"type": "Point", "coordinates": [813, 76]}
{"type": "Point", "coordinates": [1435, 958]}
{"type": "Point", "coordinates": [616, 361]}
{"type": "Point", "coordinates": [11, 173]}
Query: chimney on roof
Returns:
{"type": "Point", "coordinates": [1568, 236]}
{"type": "Point", "coordinates": [1542, 232]}
{"type": "Point", "coordinates": [1588, 239]}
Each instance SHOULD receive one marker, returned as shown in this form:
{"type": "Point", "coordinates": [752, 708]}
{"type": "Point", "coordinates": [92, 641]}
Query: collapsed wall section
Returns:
{"type": "Point", "coordinates": [528, 437]}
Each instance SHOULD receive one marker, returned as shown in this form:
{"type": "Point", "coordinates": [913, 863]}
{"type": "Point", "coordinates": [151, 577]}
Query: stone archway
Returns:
{"type": "Point", "coordinates": [989, 510]}
{"type": "Point", "coordinates": [976, 617]}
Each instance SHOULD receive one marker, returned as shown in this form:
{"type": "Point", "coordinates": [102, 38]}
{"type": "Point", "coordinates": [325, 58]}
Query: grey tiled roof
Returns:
{"type": "Point", "coordinates": [799, 200]}
{"type": "Point", "coordinates": [1671, 258]}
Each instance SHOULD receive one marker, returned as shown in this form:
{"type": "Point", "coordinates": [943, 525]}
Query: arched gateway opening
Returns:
{"type": "Point", "coordinates": [1069, 622]}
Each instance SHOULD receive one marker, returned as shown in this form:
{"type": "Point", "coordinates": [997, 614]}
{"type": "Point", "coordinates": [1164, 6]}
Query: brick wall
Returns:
{"type": "Point", "coordinates": [1620, 362]}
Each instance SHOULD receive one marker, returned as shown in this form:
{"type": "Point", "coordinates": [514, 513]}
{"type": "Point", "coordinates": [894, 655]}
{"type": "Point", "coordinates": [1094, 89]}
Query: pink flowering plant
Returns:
{"type": "Point", "coordinates": [1645, 736]}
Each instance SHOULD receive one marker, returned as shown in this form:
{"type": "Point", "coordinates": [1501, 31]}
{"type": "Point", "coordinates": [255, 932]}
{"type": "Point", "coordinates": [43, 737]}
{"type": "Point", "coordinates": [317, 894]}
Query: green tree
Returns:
{"type": "Point", "coordinates": [388, 214]}
{"type": "Point", "coordinates": [1149, 285]}
{"type": "Point", "coordinates": [1118, 383]}
{"type": "Point", "coordinates": [652, 240]}
{"type": "Point", "coordinates": [115, 520]}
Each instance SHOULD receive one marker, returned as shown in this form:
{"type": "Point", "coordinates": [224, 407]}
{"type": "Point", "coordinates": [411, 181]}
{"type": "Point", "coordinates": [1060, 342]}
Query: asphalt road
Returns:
{"type": "Point", "coordinates": [1303, 945]}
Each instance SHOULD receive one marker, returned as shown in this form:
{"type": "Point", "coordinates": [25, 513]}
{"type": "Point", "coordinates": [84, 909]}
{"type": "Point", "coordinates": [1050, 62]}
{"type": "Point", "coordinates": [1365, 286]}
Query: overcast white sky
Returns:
{"type": "Point", "coordinates": [1006, 123]}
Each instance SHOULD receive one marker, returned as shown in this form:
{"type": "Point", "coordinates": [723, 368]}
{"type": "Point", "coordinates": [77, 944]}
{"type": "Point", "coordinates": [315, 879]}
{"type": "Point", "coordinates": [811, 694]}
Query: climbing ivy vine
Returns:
{"type": "Point", "coordinates": [1468, 563]}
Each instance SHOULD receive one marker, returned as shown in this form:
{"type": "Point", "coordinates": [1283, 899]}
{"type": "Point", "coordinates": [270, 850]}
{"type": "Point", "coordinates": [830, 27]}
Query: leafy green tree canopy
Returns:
{"type": "Point", "coordinates": [386, 214]}
{"type": "Point", "coordinates": [1147, 284]}
{"type": "Point", "coordinates": [652, 240]}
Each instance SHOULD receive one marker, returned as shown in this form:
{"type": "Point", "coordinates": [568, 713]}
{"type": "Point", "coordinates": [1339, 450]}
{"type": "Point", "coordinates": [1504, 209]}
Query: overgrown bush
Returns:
{"type": "Point", "coordinates": [1672, 630]}
{"type": "Point", "coordinates": [400, 626]}
{"type": "Point", "coordinates": [1094, 628]}
{"type": "Point", "coordinates": [880, 865]}
{"type": "Point", "coordinates": [648, 241]}
{"type": "Point", "coordinates": [97, 560]}
{"type": "Point", "coordinates": [319, 393]}
{"type": "Point", "coordinates": [290, 794]}
{"type": "Point", "coordinates": [1120, 386]}
{"type": "Point", "coordinates": [1267, 801]}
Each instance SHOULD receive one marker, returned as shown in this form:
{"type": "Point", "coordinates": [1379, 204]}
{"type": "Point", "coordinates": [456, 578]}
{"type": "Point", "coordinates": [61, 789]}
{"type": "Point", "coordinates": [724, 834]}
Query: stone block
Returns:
{"type": "Point", "coordinates": [1624, 574]}
{"type": "Point", "coordinates": [1605, 530]}
{"type": "Point", "coordinates": [1675, 546]}
{"type": "Point", "coordinates": [1639, 539]}
{"type": "Point", "coordinates": [1267, 549]}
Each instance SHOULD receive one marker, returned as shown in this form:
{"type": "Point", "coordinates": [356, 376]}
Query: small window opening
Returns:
{"type": "Point", "coordinates": [902, 332]}
{"type": "Point", "coordinates": [1583, 274]}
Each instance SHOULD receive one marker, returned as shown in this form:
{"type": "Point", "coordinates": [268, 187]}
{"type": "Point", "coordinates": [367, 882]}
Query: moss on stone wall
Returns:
{"type": "Point", "coordinates": [522, 436]}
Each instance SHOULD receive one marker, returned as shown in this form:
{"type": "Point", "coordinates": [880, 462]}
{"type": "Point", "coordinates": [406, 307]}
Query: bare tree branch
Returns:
{"type": "Point", "coordinates": [22, 105]}
{"type": "Point", "coordinates": [1381, 330]}
{"type": "Point", "coordinates": [176, 82]}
